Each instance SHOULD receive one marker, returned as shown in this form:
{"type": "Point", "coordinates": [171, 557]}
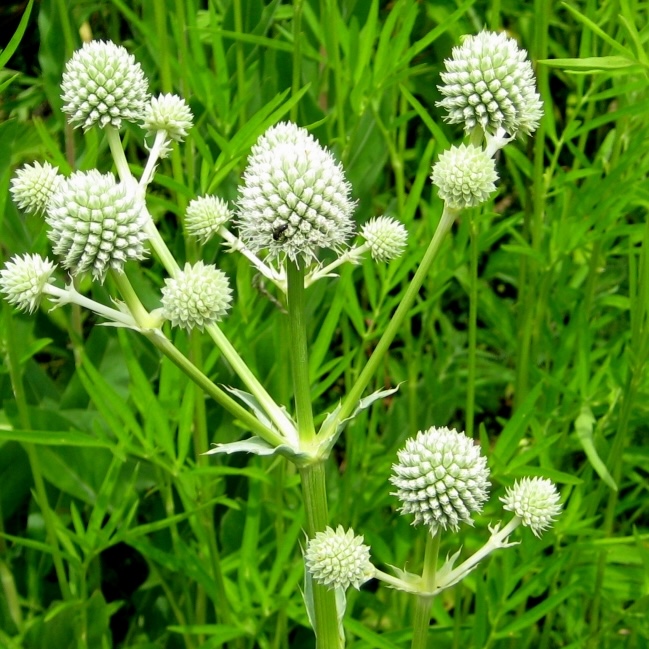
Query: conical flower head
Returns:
{"type": "Point", "coordinates": [339, 559]}
{"type": "Point", "coordinates": [33, 186]}
{"type": "Point", "coordinates": [386, 238]}
{"type": "Point", "coordinates": [295, 198]}
{"type": "Point", "coordinates": [102, 84]}
{"type": "Point", "coordinates": [465, 176]}
{"type": "Point", "coordinates": [205, 215]}
{"type": "Point", "coordinates": [198, 296]}
{"type": "Point", "coordinates": [535, 501]}
{"type": "Point", "coordinates": [490, 83]}
{"type": "Point", "coordinates": [441, 478]}
{"type": "Point", "coordinates": [96, 223]}
{"type": "Point", "coordinates": [168, 113]}
{"type": "Point", "coordinates": [23, 280]}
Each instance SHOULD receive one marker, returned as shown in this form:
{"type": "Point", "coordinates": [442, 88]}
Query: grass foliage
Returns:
{"type": "Point", "coordinates": [531, 333]}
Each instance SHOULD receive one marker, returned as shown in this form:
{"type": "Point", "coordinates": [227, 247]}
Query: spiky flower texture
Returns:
{"type": "Point", "coordinates": [102, 84]}
{"type": "Point", "coordinates": [23, 279]}
{"type": "Point", "coordinates": [198, 296]}
{"type": "Point", "coordinates": [441, 478]}
{"type": "Point", "coordinates": [465, 176]}
{"type": "Point", "coordinates": [33, 186]}
{"type": "Point", "coordinates": [535, 501]}
{"type": "Point", "coordinates": [205, 215]}
{"type": "Point", "coordinates": [339, 559]}
{"type": "Point", "coordinates": [96, 223]}
{"type": "Point", "coordinates": [169, 113]}
{"type": "Point", "coordinates": [386, 238]}
{"type": "Point", "coordinates": [295, 198]}
{"type": "Point", "coordinates": [490, 83]}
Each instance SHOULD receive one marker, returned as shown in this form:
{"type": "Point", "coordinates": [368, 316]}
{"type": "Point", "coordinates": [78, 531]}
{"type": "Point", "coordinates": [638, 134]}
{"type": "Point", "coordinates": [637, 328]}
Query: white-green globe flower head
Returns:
{"type": "Point", "coordinates": [205, 215]}
{"type": "Point", "coordinates": [339, 559]}
{"type": "Point", "coordinates": [465, 176]}
{"type": "Point", "coordinates": [441, 478]}
{"type": "Point", "coordinates": [295, 199]}
{"type": "Point", "coordinates": [386, 238]}
{"type": "Point", "coordinates": [33, 186]}
{"type": "Point", "coordinates": [168, 113]}
{"type": "Point", "coordinates": [96, 223]}
{"type": "Point", "coordinates": [23, 280]}
{"type": "Point", "coordinates": [102, 84]}
{"type": "Point", "coordinates": [197, 297]}
{"type": "Point", "coordinates": [489, 82]}
{"type": "Point", "coordinates": [535, 501]}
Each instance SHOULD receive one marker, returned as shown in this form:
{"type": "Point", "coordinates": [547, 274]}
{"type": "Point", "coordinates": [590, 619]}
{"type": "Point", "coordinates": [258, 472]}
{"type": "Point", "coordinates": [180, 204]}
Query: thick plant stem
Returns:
{"type": "Point", "coordinates": [422, 607]}
{"type": "Point", "coordinates": [314, 494]}
{"type": "Point", "coordinates": [313, 477]}
{"type": "Point", "coordinates": [448, 217]}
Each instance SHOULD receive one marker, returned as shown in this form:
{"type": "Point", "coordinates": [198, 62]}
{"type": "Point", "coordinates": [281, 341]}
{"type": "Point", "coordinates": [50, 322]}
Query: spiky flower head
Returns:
{"type": "Point", "coordinates": [198, 296]}
{"type": "Point", "coordinates": [33, 186]}
{"type": "Point", "coordinates": [169, 113]}
{"type": "Point", "coordinates": [339, 559]}
{"type": "Point", "coordinates": [205, 215]}
{"type": "Point", "coordinates": [490, 83]}
{"type": "Point", "coordinates": [102, 84]}
{"type": "Point", "coordinates": [465, 176]}
{"type": "Point", "coordinates": [295, 198]}
{"type": "Point", "coordinates": [96, 223]}
{"type": "Point", "coordinates": [23, 279]}
{"type": "Point", "coordinates": [441, 478]}
{"type": "Point", "coordinates": [535, 501]}
{"type": "Point", "coordinates": [386, 238]}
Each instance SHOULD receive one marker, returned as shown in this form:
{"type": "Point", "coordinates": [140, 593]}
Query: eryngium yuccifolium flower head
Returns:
{"type": "Point", "coordinates": [464, 176]}
{"type": "Point", "coordinates": [295, 198]}
{"type": "Point", "coordinates": [535, 501]}
{"type": "Point", "coordinates": [441, 478]}
{"type": "Point", "coordinates": [339, 559]}
{"type": "Point", "coordinates": [23, 279]}
{"type": "Point", "coordinates": [197, 297]}
{"type": "Point", "coordinates": [102, 84]}
{"type": "Point", "coordinates": [490, 83]}
{"type": "Point", "coordinates": [386, 238]}
{"type": "Point", "coordinates": [33, 186]}
{"type": "Point", "coordinates": [96, 223]}
{"type": "Point", "coordinates": [168, 113]}
{"type": "Point", "coordinates": [205, 215]}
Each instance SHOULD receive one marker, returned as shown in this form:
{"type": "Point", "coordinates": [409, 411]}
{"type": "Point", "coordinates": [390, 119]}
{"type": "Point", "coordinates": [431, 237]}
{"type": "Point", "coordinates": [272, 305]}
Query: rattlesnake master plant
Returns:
{"type": "Point", "coordinates": [535, 501]}
{"type": "Point", "coordinates": [441, 478]}
{"type": "Point", "coordinates": [103, 85]}
{"type": "Point", "coordinates": [295, 199]}
{"type": "Point", "coordinates": [490, 83]}
{"type": "Point", "coordinates": [23, 280]}
{"type": "Point", "coordinates": [205, 216]}
{"type": "Point", "coordinates": [33, 186]}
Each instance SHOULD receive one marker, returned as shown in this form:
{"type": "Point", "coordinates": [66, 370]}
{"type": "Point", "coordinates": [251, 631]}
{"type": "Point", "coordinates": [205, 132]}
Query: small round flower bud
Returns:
{"type": "Point", "coordinates": [339, 559]}
{"type": "Point", "coordinates": [205, 215]}
{"type": "Point", "coordinates": [464, 176]}
{"type": "Point", "coordinates": [197, 297]}
{"type": "Point", "coordinates": [490, 83]}
{"type": "Point", "coordinates": [386, 238]}
{"type": "Point", "coordinates": [102, 84]}
{"type": "Point", "coordinates": [96, 223]}
{"type": "Point", "coordinates": [535, 501]}
{"type": "Point", "coordinates": [168, 113]}
{"type": "Point", "coordinates": [295, 198]}
{"type": "Point", "coordinates": [441, 478]}
{"type": "Point", "coordinates": [33, 186]}
{"type": "Point", "coordinates": [23, 279]}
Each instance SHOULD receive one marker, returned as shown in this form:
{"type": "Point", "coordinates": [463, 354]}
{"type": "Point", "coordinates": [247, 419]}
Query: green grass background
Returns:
{"type": "Point", "coordinates": [530, 333]}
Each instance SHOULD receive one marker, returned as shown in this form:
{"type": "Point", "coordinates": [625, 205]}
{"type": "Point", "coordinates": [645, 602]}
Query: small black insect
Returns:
{"type": "Point", "coordinates": [278, 233]}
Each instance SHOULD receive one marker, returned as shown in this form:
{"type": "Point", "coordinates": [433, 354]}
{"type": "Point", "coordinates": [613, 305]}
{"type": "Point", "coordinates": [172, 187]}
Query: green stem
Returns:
{"type": "Point", "coordinates": [421, 622]}
{"type": "Point", "coordinates": [473, 330]}
{"type": "Point", "coordinates": [356, 392]}
{"type": "Point", "coordinates": [299, 353]}
{"type": "Point", "coordinates": [297, 54]}
{"type": "Point", "coordinates": [241, 64]}
{"type": "Point", "coordinates": [314, 494]}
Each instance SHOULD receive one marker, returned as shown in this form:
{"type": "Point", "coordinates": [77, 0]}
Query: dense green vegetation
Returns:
{"type": "Point", "coordinates": [531, 333]}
